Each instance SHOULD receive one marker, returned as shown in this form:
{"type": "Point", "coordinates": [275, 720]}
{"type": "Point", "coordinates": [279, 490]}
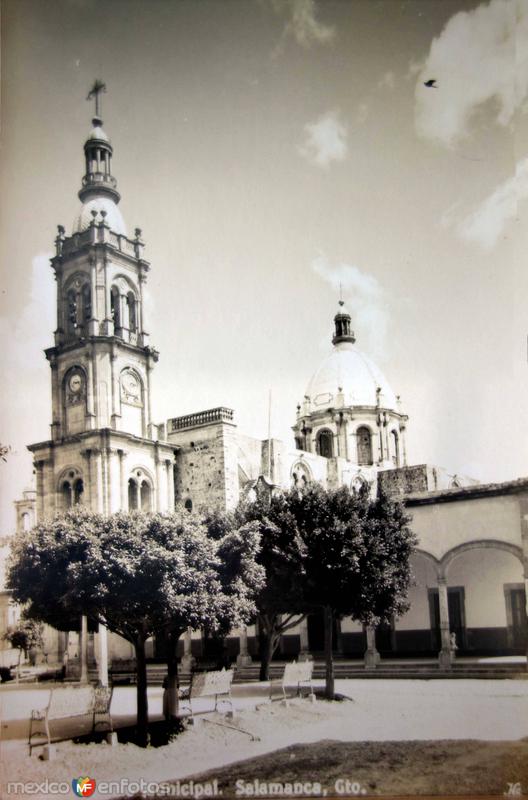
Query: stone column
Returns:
{"type": "Point", "coordinates": [243, 657]}
{"type": "Point", "coordinates": [403, 447]}
{"type": "Point", "coordinates": [39, 469]}
{"type": "Point", "coordinates": [372, 657]}
{"type": "Point", "coordinates": [187, 661]}
{"type": "Point", "coordinates": [83, 649]}
{"type": "Point", "coordinates": [380, 442]}
{"type": "Point", "coordinates": [88, 484]}
{"type": "Point", "coordinates": [446, 655]}
{"type": "Point", "coordinates": [115, 499]}
{"type": "Point", "coordinates": [304, 654]}
{"type": "Point", "coordinates": [102, 655]}
{"type": "Point", "coordinates": [170, 484]}
{"type": "Point", "coordinates": [122, 486]}
{"type": "Point", "coordinates": [159, 483]}
{"type": "Point", "coordinates": [97, 477]}
{"type": "Point", "coordinates": [90, 394]}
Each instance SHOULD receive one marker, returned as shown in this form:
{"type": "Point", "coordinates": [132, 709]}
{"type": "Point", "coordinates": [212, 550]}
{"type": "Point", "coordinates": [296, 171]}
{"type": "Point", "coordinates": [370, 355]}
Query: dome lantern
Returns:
{"type": "Point", "coordinates": [342, 321]}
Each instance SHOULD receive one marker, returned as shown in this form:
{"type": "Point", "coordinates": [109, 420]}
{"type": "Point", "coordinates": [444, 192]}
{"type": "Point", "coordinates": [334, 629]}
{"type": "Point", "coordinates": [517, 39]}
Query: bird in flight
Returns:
{"type": "Point", "coordinates": [431, 83]}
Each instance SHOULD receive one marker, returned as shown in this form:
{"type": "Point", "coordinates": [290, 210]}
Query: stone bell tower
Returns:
{"type": "Point", "coordinates": [104, 450]}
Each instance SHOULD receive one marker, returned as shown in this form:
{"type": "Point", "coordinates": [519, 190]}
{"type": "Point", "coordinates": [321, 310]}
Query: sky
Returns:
{"type": "Point", "coordinates": [271, 150]}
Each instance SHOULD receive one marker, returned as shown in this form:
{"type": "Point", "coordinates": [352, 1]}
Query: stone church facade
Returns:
{"type": "Point", "coordinates": [105, 451]}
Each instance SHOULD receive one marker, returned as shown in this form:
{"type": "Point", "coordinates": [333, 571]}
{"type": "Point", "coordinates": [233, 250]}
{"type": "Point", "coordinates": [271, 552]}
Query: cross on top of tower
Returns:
{"type": "Point", "coordinates": [97, 89]}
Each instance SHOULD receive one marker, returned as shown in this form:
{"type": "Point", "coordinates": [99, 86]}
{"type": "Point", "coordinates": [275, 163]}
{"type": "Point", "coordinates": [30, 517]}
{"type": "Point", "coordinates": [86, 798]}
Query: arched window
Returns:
{"type": "Point", "coordinates": [26, 523]}
{"type": "Point", "coordinates": [364, 446]}
{"type": "Point", "coordinates": [78, 489]}
{"type": "Point", "coordinates": [86, 301]}
{"type": "Point", "coordinates": [71, 302]}
{"type": "Point", "coordinates": [115, 309]}
{"type": "Point", "coordinates": [325, 444]}
{"type": "Point", "coordinates": [132, 494]}
{"type": "Point", "coordinates": [395, 448]}
{"type": "Point", "coordinates": [188, 504]}
{"type": "Point", "coordinates": [300, 477]}
{"type": "Point", "coordinates": [67, 495]}
{"type": "Point", "coordinates": [146, 496]}
{"type": "Point", "coordinates": [132, 316]}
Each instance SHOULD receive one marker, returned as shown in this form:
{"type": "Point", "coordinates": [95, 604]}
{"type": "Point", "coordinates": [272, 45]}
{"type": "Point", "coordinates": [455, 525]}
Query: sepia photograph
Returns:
{"type": "Point", "coordinates": [264, 407]}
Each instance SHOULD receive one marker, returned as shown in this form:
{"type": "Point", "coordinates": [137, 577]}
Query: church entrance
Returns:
{"type": "Point", "coordinates": [316, 632]}
{"type": "Point", "coordinates": [519, 623]}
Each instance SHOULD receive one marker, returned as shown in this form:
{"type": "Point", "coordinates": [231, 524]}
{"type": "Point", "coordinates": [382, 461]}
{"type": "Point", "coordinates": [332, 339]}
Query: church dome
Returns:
{"type": "Point", "coordinates": [114, 218]}
{"type": "Point", "coordinates": [348, 372]}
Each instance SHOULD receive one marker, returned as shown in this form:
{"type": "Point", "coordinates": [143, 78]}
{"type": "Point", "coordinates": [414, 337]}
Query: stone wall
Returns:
{"type": "Point", "coordinates": [206, 470]}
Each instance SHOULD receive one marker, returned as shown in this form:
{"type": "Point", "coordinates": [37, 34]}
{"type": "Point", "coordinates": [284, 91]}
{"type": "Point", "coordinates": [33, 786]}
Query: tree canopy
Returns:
{"type": "Point", "coordinates": [337, 550]}
{"type": "Point", "coordinates": [140, 574]}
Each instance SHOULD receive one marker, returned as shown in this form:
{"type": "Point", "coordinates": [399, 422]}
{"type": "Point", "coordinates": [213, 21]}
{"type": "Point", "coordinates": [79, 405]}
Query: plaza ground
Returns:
{"type": "Point", "coordinates": [377, 711]}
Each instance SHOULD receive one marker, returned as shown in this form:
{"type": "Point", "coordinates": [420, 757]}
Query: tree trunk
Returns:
{"type": "Point", "coordinates": [142, 700]}
{"type": "Point", "coordinates": [329, 660]}
{"type": "Point", "coordinates": [18, 665]}
{"type": "Point", "coordinates": [269, 640]}
{"type": "Point", "coordinates": [170, 695]}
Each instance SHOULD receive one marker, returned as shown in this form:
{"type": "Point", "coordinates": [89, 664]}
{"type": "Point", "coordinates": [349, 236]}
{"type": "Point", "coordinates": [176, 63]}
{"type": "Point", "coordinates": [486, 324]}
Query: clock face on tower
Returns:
{"type": "Point", "coordinates": [130, 388]}
{"type": "Point", "coordinates": [75, 383]}
{"type": "Point", "coordinates": [75, 387]}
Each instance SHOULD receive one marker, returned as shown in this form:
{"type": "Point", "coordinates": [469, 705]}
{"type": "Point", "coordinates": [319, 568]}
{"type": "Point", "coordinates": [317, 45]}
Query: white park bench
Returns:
{"type": "Point", "coordinates": [298, 674]}
{"type": "Point", "coordinates": [70, 702]}
{"type": "Point", "coordinates": [215, 684]}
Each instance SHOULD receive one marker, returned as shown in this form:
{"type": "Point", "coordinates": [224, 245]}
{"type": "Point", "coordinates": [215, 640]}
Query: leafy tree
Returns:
{"type": "Point", "coordinates": [216, 591]}
{"type": "Point", "coordinates": [139, 574]}
{"type": "Point", "coordinates": [44, 573]}
{"type": "Point", "coordinates": [280, 602]}
{"type": "Point", "coordinates": [357, 557]}
{"type": "Point", "coordinates": [24, 636]}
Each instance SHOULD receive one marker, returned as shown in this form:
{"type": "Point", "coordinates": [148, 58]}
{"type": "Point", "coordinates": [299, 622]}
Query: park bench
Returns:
{"type": "Point", "coordinates": [298, 675]}
{"type": "Point", "coordinates": [215, 684]}
{"type": "Point", "coordinates": [123, 671]}
{"type": "Point", "coordinates": [65, 703]}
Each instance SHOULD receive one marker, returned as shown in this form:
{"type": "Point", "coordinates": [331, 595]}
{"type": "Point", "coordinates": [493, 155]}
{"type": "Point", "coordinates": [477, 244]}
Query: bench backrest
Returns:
{"type": "Point", "coordinates": [71, 701]}
{"type": "Point", "coordinates": [206, 684]}
{"type": "Point", "coordinates": [297, 672]}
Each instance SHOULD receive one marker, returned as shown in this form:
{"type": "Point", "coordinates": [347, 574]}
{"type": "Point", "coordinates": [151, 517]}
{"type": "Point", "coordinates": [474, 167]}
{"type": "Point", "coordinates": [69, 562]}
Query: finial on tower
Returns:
{"type": "Point", "coordinates": [97, 89]}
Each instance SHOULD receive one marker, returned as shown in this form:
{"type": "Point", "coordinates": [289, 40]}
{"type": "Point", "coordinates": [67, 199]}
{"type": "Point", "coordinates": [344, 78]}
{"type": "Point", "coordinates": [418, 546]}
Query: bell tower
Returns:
{"type": "Point", "coordinates": [101, 361]}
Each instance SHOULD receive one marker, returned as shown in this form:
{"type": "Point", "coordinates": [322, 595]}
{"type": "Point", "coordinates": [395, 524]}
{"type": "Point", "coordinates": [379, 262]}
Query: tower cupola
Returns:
{"type": "Point", "coordinates": [98, 194]}
{"type": "Point", "coordinates": [342, 320]}
{"type": "Point", "coordinates": [98, 179]}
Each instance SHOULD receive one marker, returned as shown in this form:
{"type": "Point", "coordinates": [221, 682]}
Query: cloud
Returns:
{"type": "Point", "coordinates": [24, 366]}
{"type": "Point", "coordinates": [325, 141]}
{"type": "Point", "coordinates": [32, 328]}
{"type": "Point", "coordinates": [486, 223]}
{"type": "Point", "coordinates": [302, 24]}
{"type": "Point", "coordinates": [362, 113]}
{"type": "Point", "coordinates": [365, 298]}
{"type": "Point", "coordinates": [387, 81]}
{"type": "Point", "coordinates": [481, 57]}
